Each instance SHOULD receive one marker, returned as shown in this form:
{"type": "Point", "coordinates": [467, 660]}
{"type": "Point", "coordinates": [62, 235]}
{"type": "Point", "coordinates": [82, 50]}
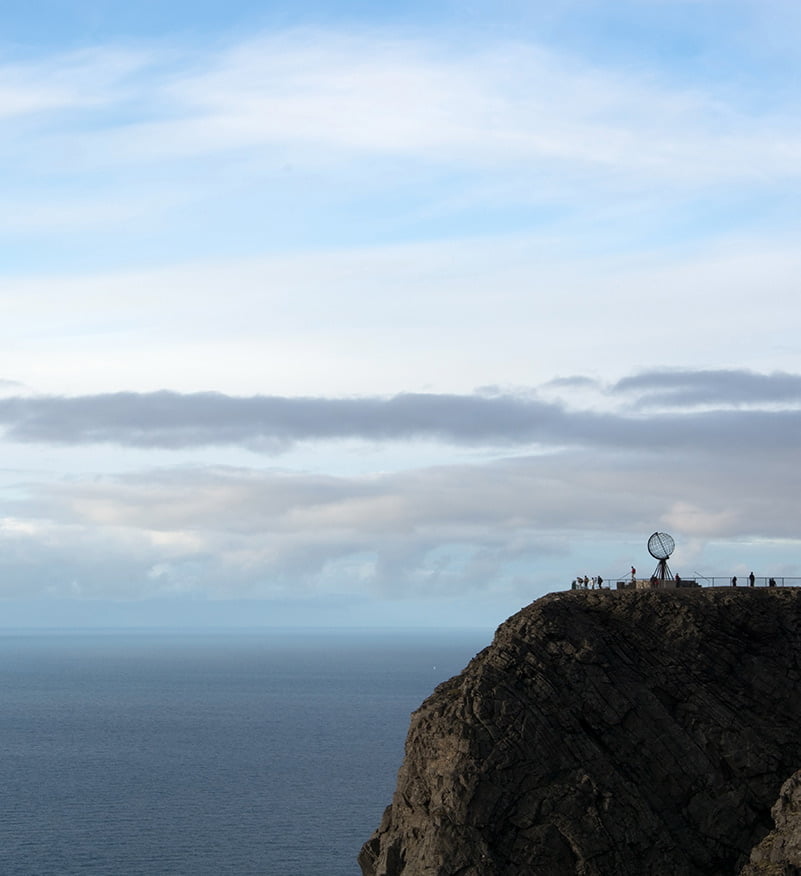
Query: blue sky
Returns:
{"type": "Point", "coordinates": [356, 313]}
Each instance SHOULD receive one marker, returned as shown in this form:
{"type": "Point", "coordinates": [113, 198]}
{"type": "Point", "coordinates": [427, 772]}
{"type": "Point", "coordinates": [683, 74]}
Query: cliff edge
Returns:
{"type": "Point", "coordinates": [604, 734]}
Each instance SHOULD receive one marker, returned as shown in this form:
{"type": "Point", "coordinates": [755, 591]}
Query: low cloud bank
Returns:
{"type": "Point", "coordinates": [482, 527]}
{"type": "Point", "coordinates": [740, 409]}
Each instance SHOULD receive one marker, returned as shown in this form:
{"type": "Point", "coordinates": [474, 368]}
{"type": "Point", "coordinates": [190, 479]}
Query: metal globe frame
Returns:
{"type": "Point", "coordinates": [660, 547]}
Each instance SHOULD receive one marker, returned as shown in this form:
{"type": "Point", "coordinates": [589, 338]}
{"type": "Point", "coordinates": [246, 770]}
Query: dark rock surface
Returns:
{"type": "Point", "coordinates": [604, 734]}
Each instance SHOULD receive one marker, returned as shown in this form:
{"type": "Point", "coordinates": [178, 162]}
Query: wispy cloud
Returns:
{"type": "Point", "coordinates": [717, 388]}
{"type": "Point", "coordinates": [71, 82]}
{"type": "Point", "coordinates": [324, 99]}
{"type": "Point", "coordinates": [510, 105]}
{"type": "Point", "coordinates": [463, 313]}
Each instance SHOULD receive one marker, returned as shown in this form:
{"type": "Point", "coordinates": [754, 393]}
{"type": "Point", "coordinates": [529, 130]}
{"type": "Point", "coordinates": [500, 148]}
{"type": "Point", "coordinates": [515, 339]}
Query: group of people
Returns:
{"type": "Point", "coordinates": [583, 582]}
{"type": "Point", "coordinates": [586, 583]}
{"type": "Point", "coordinates": [752, 581]}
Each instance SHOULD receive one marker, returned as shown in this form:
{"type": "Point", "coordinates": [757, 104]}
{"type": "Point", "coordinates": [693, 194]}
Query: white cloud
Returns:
{"type": "Point", "coordinates": [92, 78]}
{"type": "Point", "coordinates": [71, 218]}
{"type": "Point", "coordinates": [511, 105]}
{"type": "Point", "coordinates": [443, 317]}
{"type": "Point", "coordinates": [460, 528]}
{"type": "Point", "coordinates": [323, 98]}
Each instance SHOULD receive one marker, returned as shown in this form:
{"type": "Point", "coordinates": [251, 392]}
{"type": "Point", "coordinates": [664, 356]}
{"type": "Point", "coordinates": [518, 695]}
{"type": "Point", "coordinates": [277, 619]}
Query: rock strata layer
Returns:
{"type": "Point", "coordinates": [605, 734]}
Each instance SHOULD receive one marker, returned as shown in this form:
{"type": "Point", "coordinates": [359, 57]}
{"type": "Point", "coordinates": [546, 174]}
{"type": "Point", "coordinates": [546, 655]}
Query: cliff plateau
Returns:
{"type": "Point", "coordinates": [607, 733]}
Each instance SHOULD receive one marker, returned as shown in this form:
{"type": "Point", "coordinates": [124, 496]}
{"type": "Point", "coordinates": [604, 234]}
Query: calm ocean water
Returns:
{"type": "Point", "coordinates": [224, 753]}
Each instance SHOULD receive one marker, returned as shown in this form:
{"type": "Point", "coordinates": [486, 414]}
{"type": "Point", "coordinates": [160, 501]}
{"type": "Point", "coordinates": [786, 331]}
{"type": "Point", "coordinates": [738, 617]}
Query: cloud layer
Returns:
{"type": "Point", "coordinates": [740, 411]}
{"type": "Point", "coordinates": [726, 473]}
{"type": "Point", "coordinates": [445, 126]}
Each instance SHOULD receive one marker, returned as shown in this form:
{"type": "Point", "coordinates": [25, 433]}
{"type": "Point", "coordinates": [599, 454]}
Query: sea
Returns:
{"type": "Point", "coordinates": [225, 752]}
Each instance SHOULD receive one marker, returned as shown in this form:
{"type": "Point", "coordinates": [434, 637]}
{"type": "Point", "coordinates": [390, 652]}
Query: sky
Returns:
{"type": "Point", "coordinates": [356, 314]}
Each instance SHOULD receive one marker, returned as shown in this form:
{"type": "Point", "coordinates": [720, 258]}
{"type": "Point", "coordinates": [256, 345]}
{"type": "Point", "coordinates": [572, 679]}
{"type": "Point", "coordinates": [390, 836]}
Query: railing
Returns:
{"type": "Point", "coordinates": [697, 581]}
{"type": "Point", "coordinates": [759, 581]}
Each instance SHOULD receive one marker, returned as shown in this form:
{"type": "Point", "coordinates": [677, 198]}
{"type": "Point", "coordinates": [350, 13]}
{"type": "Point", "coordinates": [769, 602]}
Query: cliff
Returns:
{"type": "Point", "coordinates": [603, 734]}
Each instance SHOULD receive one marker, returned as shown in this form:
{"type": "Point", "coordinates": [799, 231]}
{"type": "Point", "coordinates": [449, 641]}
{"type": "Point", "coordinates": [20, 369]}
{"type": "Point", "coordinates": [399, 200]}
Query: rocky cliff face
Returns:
{"type": "Point", "coordinates": [604, 734]}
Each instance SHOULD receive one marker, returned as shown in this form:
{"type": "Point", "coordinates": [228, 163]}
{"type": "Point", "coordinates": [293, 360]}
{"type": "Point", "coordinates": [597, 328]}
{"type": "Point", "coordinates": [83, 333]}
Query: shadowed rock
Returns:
{"type": "Point", "coordinates": [604, 734]}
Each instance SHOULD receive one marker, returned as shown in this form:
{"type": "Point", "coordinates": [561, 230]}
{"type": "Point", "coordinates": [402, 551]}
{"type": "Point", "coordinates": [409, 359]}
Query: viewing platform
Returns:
{"type": "Point", "coordinates": [699, 581]}
{"type": "Point", "coordinates": [660, 546]}
{"type": "Point", "coordinates": [688, 583]}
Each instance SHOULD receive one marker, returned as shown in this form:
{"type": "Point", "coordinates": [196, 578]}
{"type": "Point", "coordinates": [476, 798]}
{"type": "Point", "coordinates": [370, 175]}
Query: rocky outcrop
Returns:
{"type": "Point", "coordinates": [604, 734]}
{"type": "Point", "coordinates": [779, 854]}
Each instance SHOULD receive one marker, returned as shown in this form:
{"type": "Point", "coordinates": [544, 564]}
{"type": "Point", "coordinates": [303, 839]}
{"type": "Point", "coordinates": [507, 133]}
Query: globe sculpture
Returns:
{"type": "Point", "coordinates": [660, 547]}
